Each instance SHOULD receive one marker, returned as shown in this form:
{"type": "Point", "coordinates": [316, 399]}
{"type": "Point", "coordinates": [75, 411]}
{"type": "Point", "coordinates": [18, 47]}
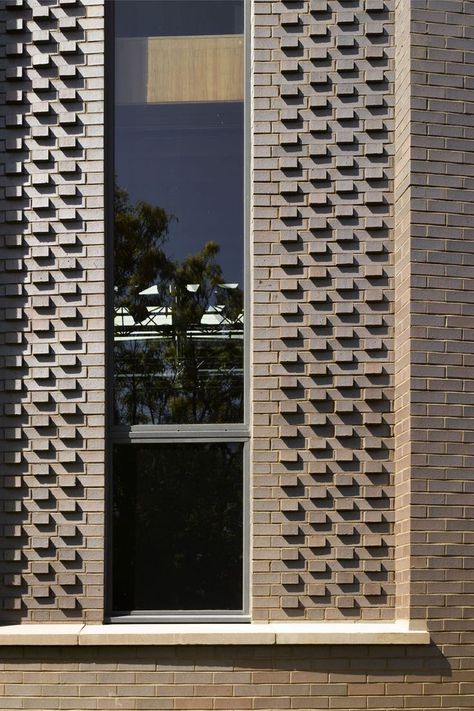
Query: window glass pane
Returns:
{"type": "Point", "coordinates": [177, 527]}
{"type": "Point", "coordinates": [179, 129]}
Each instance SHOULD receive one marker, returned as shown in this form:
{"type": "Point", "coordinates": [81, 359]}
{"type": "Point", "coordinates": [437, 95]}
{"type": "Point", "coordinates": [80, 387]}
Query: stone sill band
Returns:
{"type": "Point", "coordinates": [399, 632]}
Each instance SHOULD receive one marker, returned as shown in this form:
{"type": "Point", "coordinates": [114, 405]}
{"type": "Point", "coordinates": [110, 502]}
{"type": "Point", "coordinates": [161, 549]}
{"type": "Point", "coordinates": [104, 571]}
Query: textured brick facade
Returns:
{"type": "Point", "coordinates": [323, 316]}
{"type": "Point", "coordinates": [362, 234]}
{"type": "Point", "coordinates": [52, 318]}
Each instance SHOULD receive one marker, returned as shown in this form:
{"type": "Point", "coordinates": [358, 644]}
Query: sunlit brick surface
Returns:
{"type": "Point", "coordinates": [52, 297]}
{"type": "Point", "coordinates": [363, 351]}
{"type": "Point", "coordinates": [323, 316]}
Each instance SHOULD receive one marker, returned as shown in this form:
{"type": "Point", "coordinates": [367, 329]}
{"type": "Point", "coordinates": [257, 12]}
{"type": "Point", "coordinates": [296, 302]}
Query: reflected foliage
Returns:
{"type": "Point", "coordinates": [179, 510]}
{"type": "Point", "coordinates": [178, 326]}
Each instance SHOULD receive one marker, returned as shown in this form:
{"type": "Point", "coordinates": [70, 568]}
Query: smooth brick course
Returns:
{"type": "Point", "coordinates": [197, 678]}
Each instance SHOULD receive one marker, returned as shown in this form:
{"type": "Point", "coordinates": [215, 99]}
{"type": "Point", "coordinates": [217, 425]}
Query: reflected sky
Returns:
{"type": "Point", "coordinates": [187, 159]}
{"type": "Point", "coordinates": [179, 215]}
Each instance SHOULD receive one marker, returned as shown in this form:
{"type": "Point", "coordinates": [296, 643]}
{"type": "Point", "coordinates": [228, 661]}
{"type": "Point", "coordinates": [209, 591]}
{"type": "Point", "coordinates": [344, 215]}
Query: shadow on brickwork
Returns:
{"type": "Point", "coordinates": [237, 678]}
{"type": "Point", "coordinates": [40, 283]}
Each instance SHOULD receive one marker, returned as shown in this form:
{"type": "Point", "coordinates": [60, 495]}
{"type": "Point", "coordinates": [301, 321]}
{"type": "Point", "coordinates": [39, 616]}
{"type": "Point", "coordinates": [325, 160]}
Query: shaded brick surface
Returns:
{"type": "Point", "coordinates": [442, 335]}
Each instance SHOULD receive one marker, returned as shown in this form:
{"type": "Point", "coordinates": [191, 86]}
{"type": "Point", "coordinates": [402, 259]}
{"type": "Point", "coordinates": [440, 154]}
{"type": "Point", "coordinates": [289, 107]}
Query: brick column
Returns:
{"type": "Point", "coordinates": [434, 442]}
{"type": "Point", "coordinates": [322, 348]}
{"type": "Point", "coordinates": [442, 177]}
{"type": "Point", "coordinates": [52, 322]}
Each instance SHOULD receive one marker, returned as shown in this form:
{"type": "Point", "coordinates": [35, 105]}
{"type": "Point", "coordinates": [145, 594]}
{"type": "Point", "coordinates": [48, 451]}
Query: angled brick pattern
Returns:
{"type": "Point", "coordinates": [52, 294]}
{"type": "Point", "coordinates": [323, 316]}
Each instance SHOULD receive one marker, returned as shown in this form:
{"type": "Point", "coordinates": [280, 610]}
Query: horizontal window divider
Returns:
{"type": "Point", "coordinates": [178, 617]}
{"type": "Point", "coordinates": [183, 433]}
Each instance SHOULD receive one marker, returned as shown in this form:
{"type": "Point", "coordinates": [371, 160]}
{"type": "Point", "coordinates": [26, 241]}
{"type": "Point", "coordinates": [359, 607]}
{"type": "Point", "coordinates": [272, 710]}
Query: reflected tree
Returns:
{"type": "Point", "coordinates": [178, 326]}
{"type": "Point", "coordinates": [141, 231]}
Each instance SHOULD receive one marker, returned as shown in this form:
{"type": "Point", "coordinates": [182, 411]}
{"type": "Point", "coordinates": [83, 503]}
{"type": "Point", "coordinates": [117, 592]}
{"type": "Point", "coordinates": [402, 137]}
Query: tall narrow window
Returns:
{"type": "Point", "coordinates": [178, 420]}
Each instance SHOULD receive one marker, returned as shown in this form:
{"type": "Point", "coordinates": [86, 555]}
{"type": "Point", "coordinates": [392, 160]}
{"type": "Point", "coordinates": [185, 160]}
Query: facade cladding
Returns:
{"type": "Point", "coordinates": [361, 206]}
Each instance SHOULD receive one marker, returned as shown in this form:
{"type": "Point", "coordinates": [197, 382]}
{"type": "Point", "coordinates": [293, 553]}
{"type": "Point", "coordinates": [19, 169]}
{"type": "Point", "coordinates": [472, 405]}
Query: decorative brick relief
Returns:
{"type": "Point", "coordinates": [323, 93]}
{"type": "Point", "coordinates": [52, 295]}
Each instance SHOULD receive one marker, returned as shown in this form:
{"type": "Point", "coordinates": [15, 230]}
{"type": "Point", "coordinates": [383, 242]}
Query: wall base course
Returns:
{"type": "Point", "coordinates": [334, 677]}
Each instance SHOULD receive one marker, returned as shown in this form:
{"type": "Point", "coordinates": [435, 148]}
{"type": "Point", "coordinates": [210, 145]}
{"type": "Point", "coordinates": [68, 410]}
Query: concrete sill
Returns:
{"type": "Point", "coordinates": [399, 632]}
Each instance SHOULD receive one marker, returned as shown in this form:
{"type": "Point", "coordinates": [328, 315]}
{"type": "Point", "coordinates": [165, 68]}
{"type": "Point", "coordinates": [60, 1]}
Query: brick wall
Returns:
{"type": "Point", "coordinates": [52, 310]}
{"type": "Point", "coordinates": [377, 678]}
{"type": "Point", "coordinates": [402, 296]}
{"type": "Point", "coordinates": [323, 353]}
{"type": "Point", "coordinates": [442, 335]}
{"type": "Point", "coordinates": [363, 122]}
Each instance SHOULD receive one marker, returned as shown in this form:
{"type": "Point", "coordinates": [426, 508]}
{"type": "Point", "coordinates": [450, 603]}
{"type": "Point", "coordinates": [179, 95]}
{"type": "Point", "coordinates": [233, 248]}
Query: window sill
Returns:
{"type": "Point", "coordinates": [277, 633]}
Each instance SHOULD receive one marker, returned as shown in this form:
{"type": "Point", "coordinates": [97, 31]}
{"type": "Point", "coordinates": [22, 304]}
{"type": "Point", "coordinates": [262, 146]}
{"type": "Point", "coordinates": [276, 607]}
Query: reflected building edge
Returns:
{"type": "Point", "coordinates": [170, 371]}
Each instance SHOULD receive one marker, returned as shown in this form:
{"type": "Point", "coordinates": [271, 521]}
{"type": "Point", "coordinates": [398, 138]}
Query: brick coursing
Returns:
{"type": "Point", "coordinates": [402, 282]}
{"type": "Point", "coordinates": [52, 318]}
{"type": "Point", "coordinates": [332, 80]}
{"type": "Point", "coordinates": [442, 336]}
{"type": "Point", "coordinates": [323, 351]}
{"type": "Point", "coordinates": [315, 678]}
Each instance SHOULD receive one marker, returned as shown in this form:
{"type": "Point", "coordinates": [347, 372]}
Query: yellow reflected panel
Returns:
{"type": "Point", "coordinates": [195, 69]}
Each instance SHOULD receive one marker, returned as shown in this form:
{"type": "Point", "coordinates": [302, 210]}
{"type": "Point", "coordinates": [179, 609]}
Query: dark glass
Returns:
{"type": "Point", "coordinates": [179, 146]}
{"type": "Point", "coordinates": [177, 527]}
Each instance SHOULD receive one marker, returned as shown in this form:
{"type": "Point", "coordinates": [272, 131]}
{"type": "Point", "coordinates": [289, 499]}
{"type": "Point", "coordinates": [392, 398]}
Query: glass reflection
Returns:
{"type": "Point", "coordinates": [178, 342]}
{"type": "Point", "coordinates": [179, 212]}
